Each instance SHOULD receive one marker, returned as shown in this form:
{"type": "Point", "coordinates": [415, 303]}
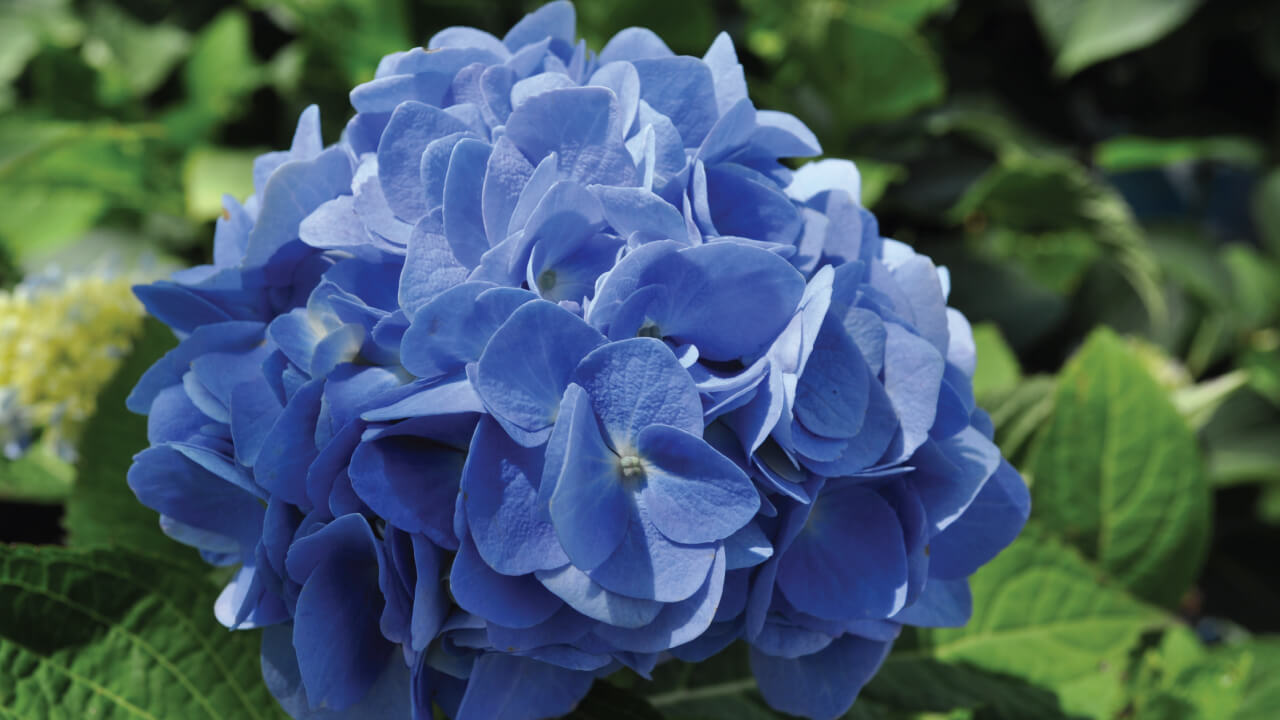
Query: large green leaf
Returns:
{"type": "Point", "coordinates": [1041, 614]}
{"type": "Point", "coordinates": [57, 178]}
{"type": "Point", "coordinates": [1084, 32]}
{"type": "Point", "coordinates": [998, 370]}
{"type": "Point", "coordinates": [1183, 679]}
{"type": "Point", "coordinates": [112, 635]}
{"type": "Point", "coordinates": [132, 57]}
{"type": "Point", "coordinates": [101, 510]}
{"type": "Point", "coordinates": [1118, 475]}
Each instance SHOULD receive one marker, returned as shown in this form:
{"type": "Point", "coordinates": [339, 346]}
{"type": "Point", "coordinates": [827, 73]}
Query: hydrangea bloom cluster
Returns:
{"type": "Point", "coordinates": [550, 367]}
{"type": "Point", "coordinates": [62, 336]}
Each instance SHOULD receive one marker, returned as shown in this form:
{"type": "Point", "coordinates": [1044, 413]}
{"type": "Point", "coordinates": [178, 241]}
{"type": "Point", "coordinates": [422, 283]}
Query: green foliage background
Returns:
{"type": "Point", "coordinates": [1100, 176]}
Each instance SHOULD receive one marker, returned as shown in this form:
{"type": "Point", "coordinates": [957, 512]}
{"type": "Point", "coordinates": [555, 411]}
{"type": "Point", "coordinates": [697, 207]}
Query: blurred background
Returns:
{"type": "Point", "coordinates": [1075, 163]}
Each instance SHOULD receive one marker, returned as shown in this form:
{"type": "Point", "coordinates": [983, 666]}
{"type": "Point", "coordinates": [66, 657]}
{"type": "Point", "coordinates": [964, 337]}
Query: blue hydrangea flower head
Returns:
{"type": "Point", "coordinates": [550, 367]}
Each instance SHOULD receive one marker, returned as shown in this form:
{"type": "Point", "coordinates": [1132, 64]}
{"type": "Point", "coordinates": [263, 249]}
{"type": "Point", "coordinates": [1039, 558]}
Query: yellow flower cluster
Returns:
{"type": "Point", "coordinates": [61, 339]}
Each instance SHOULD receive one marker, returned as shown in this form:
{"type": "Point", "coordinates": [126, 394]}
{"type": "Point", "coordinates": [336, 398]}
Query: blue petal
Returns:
{"type": "Point", "coordinates": [849, 562]}
{"type": "Point", "coordinates": [722, 60]}
{"type": "Point", "coordinates": [453, 328]}
{"type": "Point", "coordinates": [178, 307]}
{"type": "Point", "coordinates": [411, 482]}
{"type": "Point", "coordinates": [678, 623]}
{"type": "Point", "coordinates": [526, 366]}
{"type": "Point", "coordinates": [538, 84]}
{"type": "Point", "coordinates": [506, 687]}
{"type": "Point", "coordinates": [682, 89]}
{"type": "Point", "coordinates": [622, 79]}
{"type": "Point", "coordinates": [833, 393]}
{"type": "Point", "coordinates": [433, 168]}
{"type": "Point", "coordinates": [693, 493]}
{"type": "Point", "coordinates": [554, 20]}
{"type": "Point", "coordinates": [823, 685]}
{"type": "Point", "coordinates": [783, 135]}
{"type": "Point", "coordinates": [828, 174]}
{"type": "Point", "coordinates": [912, 377]}
{"type": "Point", "coordinates": [511, 601]}
{"type": "Point", "coordinates": [388, 697]}
{"type": "Point", "coordinates": [500, 493]}
{"type": "Point", "coordinates": [730, 300]}
{"type": "Point", "coordinates": [429, 268]}
{"type": "Point", "coordinates": [467, 37]}
{"type": "Point", "coordinates": [634, 43]}
{"type": "Point", "coordinates": [429, 602]}
{"type": "Point", "coordinates": [584, 595]}
{"type": "Point", "coordinates": [987, 526]}
{"type": "Point", "coordinates": [506, 174]}
{"type": "Point", "coordinates": [168, 371]}
{"type": "Point", "coordinates": [565, 627]}
{"type": "Point", "coordinates": [632, 210]}
{"type": "Point", "coordinates": [463, 185]}
{"type": "Point", "coordinates": [649, 566]}
{"type": "Point", "coordinates": [729, 134]}
{"type": "Point", "coordinates": [295, 190]}
{"type": "Point", "coordinates": [635, 383]}
{"type": "Point", "coordinates": [590, 508]}
{"type": "Point", "coordinates": [943, 603]}
{"type": "Point", "coordinates": [583, 126]}
{"type": "Point", "coordinates": [746, 204]}
{"type": "Point", "coordinates": [290, 446]}
{"type": "Point", "coordinates": [412, 127]}
{"type": "Point", "coordinates": [341, 651]}
{"type": "Point", "coordinates": [166, 481]}
{"type": "Point", "coordinates": [949, 474]}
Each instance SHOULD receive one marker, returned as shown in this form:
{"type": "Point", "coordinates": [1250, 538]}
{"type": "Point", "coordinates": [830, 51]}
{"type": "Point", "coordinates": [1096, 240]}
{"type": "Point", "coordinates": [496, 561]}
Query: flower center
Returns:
{"type": "Point", "coordinates": [546, 280]}
{"type": "Point", "coordinates": [632, 467]}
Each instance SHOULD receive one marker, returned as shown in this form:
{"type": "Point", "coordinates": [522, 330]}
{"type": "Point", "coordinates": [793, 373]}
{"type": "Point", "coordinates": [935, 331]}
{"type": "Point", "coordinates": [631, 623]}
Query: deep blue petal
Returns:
{"type": "Point", "coordinates": [511, 601]}
{"type": "Point", "coordinates": [410, 482]}
{"type": "Point", "coordinates": [987, 526]}
{"type": "Point", "coordinates": [849, 562]}
{"type": "Point", "coordinates": [506, 687]}
{"type": "Point", "coordinates": [823, 685]}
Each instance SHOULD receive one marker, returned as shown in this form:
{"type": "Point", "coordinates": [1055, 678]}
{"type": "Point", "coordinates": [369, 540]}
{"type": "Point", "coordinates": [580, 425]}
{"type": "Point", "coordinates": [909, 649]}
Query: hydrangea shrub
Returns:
{"type": "Point", "coordinates": [551, 367]}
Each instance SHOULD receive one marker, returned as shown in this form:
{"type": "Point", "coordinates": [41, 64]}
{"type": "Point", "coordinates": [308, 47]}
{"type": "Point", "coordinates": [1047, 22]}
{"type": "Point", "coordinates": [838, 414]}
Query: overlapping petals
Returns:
{"type": "Point", "coordinates": [550, 367]}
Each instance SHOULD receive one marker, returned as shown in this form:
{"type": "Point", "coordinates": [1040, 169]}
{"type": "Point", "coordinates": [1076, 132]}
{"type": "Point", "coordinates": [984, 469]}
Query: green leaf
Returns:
{"type": "Point", "coordinates": [38, 476]}
{"type": "Point", "coordinates": [888, 71]}
{"type": "Point", "coordinates": [1084, 32]}
{"type": "Point", "coordinates": [56, 178]}
{"type": "Point", "coordinates": [1126, 153]}
{"type": "Point", "coordinates": [132, 58]}
{"type": "Point", "coordinates": [1046, 213]}
{"type": "Point", "coordinates": [1118, 474]}
{"type": "Point", "coordinates": [1043, 615]}
{"type": "Point", "coordinates": [1019, 412]}
{"type": "Point", "coordinates": [102, 511]}
{"type": "Point", "coordinates": [913, 683]}
{"type": "Point", "coordinates": [112, 635]}
{"type": "Point", "coordinates": [1181, 679]}
{"type": "Point", "coordinates": [219, 75]}
{"type": "Point", "coordinates": [210, 173]}
{"type": "Point", "coordinates": [998, 370]}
